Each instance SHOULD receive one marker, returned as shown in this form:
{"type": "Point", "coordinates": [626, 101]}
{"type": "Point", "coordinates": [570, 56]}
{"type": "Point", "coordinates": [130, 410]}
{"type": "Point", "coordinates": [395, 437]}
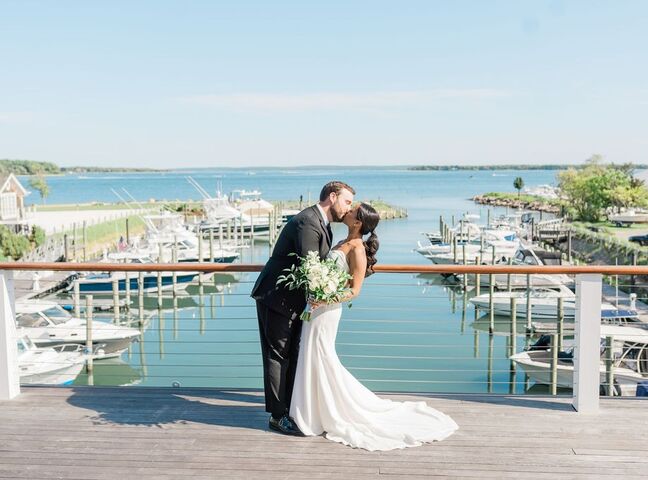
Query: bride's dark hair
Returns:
{"type": "Point", "coordinates": [369, 219]}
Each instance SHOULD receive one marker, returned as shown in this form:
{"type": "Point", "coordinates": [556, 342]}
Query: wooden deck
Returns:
{"type": "Point", "coordinates": [142, 433]}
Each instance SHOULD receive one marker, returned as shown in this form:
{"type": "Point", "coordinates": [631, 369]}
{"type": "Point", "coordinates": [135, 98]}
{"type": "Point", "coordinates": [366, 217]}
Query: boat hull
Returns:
{"type": "Point", "coordinates": [62, 376]}
{"type": "Point", "coordinates": [104, 285]}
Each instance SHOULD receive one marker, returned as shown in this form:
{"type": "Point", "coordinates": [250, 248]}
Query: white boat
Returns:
{"type": "Point", "coordinates": [527, 256]}
{"type": "Point", "coordinates": [630, 353]}
{"type": "Point", "coordinates": [250, 214]}
{"type": "Point", "coordinates": [188, 248]}
{"type": "Point", "coordinates": [428, 251]}
{"type": "Point", "coordinates": [169, 230]}
{"type": "Point", "coordinates": [609, 316]}
{"type": "Point", "coordinates": [503, 251]}
{"type": "Point", "coordinates": [475, 241]}
{"type": "Point", "coordinates": [47, 324]}
{"type": "Point", "coordinates": [544, 302]}
{"type": "Point", "coordinates": [47, 366]}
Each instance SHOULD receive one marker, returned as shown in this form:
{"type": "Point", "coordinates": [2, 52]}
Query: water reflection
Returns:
{"type": "Point", "coordinates": [405, 333]}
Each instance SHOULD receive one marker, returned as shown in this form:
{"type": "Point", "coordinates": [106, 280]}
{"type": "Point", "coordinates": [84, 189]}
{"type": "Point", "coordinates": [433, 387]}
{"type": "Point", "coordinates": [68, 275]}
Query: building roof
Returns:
{"type": "Point", "coordinates": [5, 178]}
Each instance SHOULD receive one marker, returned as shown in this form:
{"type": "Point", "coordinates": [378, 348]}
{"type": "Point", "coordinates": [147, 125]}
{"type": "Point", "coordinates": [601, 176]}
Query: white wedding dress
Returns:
{"type": "Point", "coordinates": [328, 399]}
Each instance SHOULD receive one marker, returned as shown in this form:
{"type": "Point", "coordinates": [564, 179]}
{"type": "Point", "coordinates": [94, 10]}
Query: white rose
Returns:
{"type": "Point", "coordinates": [314, 280]}
{"type": "Point", "coordinates": [330, 287]}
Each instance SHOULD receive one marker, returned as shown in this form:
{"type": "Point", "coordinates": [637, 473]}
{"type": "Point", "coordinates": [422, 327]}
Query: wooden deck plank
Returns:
{"type": "Point", "coordinates": [110, 432]}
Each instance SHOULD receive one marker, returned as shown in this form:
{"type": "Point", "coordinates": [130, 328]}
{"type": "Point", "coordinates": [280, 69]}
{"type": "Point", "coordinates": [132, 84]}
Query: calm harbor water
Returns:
{"type": "Point", "coordinates": [405, 332]}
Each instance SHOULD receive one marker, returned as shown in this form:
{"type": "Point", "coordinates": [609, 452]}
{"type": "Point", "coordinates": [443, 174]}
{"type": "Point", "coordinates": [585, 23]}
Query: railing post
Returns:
{"type": "Point", "coordinates": [587, 356]}
{"type": "Point", "coordinates": [9, 378]}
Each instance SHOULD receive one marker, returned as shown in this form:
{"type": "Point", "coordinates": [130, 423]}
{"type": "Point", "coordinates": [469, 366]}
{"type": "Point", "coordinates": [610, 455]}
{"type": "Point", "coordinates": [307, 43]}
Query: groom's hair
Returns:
{"type": "Point", "coordinates": [334, 187]}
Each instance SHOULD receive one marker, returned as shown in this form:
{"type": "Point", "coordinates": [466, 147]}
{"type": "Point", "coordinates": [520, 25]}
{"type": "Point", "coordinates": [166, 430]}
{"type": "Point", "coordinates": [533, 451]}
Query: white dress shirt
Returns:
{"type": "Point", "coordinates": [323, 214]}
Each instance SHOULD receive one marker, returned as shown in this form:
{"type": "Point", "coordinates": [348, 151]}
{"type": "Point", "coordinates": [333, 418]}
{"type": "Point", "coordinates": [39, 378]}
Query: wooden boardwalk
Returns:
{"type": "Point", "coordinates": [165, 433]}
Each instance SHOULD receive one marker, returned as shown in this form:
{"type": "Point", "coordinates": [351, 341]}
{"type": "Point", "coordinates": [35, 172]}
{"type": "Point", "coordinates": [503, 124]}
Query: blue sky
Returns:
{"type": "Point", "coordinates": [267, 83]}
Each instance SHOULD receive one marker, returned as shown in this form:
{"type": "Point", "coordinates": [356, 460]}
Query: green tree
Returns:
{"type": "Point", "coordinates": [38, 182]}
{"type": "Point", "coordinates": [37, 236]}
{"type": "Point", "coordinates": [27, 167]}
{"type": "Point", "coordinates": [589, 191]}
{"type": "Point", "coordinates": [11, 244]}
{"type": "Point", "coordinates": [518, 184]}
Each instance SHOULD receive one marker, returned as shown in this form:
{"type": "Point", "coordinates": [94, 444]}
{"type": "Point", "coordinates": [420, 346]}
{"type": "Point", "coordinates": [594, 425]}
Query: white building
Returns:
{"type": "Point", "coordinates": [12, 203]}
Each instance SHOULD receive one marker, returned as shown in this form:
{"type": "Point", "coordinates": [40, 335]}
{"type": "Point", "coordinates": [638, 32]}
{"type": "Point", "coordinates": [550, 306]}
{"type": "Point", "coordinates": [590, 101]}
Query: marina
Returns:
{"type": "Point", "coordinates": [456, 191]}
{"type": "Point", "coordinates": [188, 322]}
{"type": "Point", "coordinates": [145, 336]}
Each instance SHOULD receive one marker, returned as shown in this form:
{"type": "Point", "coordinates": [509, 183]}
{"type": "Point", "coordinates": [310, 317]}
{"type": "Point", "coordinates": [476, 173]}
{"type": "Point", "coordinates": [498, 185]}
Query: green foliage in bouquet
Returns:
{"type": "Point", "coordinates": [323, 281]}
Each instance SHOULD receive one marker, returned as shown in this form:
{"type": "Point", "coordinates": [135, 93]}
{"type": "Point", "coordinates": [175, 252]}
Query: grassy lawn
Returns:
{"type": "Point", "coordinates": [110, 231]}
{"type": "Point", "coordinates": [106, 235]}
{"type": "Point", "coordinates": [611, 228]}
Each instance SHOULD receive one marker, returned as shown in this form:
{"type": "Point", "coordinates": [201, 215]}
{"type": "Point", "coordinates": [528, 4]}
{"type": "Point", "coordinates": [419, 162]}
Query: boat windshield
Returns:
{"type": "Point", "coordinates": [57, 315]}
{"type": "Point", "coordinates": [31, 320]}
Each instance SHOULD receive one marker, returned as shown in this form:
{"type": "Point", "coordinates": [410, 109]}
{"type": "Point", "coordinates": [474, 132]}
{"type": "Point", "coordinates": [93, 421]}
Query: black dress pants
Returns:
{"type": "Point", "coordinates": [279, 349]}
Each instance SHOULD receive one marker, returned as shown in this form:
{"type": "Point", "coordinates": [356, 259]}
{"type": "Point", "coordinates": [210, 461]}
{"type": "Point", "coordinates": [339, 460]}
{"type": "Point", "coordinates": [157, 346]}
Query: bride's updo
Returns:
{"type": "Point", "coordinates": [369, 218]}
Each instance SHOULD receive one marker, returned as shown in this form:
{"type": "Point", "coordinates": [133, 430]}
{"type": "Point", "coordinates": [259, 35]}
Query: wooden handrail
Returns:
{"type": "Point", "coordinates": [249, 267]}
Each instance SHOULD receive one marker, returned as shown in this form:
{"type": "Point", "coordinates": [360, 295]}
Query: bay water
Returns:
{"type": "Point", "coordinates": [406, 332]}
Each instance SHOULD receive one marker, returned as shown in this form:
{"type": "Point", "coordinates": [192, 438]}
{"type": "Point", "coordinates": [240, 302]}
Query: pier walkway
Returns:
{"type": "Point", "coordinates": [175, 433]}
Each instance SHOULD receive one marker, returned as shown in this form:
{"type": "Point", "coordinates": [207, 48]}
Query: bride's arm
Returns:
{"type": "Point", "coordinates": [358, 268]}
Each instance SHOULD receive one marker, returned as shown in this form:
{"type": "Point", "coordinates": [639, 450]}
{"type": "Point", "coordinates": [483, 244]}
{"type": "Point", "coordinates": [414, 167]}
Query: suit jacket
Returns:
{"type": "Point", "coordinates": [303, 233]}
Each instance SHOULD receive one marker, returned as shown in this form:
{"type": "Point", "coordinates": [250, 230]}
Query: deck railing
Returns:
{"type": "Point", "coordinates": [587, 327]}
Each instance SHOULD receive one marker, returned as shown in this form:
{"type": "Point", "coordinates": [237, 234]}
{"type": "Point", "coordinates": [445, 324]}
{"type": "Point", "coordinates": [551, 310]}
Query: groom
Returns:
{"type": "Point", "coordinates": [278, 309]}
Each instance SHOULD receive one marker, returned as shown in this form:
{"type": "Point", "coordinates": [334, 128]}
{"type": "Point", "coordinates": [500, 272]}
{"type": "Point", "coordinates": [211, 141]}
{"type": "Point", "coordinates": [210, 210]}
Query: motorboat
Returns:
{"type": "Point", "coordinates": [527, 256]}
{"type": "Point", "coordinates": [250, 213]}
{"type": "Point", "coordinates": [167, 231]}
{"type": "Point", "coordinates": [503, 250]}
{"type": "Point", "coordinates": [47, 365]}
{"type": "Point", "coordinates": [473, 241]}
{"type": "Point", "coordinates": [102, 282]}
{"type": "Point", "coordinates": [187, 247]}
{"type": "Point", "coordinates": [544, 302]}
{"type": "Point", "coordinates": [629, 353]}
{"type": "Point", "coordinates": [47, 324]}
{"type": "Point", "coordinates": [609, 316]}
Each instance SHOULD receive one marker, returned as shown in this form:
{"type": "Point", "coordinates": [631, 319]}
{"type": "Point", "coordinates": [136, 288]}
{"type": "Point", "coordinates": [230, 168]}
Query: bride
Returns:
{"type": "Point", "coordinates": [326, 397]}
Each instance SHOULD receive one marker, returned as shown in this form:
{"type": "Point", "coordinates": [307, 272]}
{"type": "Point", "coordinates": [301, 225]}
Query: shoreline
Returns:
{"type": "Point", "coordinates": [537, 204]}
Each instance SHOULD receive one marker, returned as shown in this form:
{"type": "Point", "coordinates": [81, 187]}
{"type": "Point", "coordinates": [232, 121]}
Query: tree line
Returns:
{"type": "Point", "coordinates": [592, 190]}
{"type": "Point", "coordinates": [503, 167]}
{"type": "Point", "coordinates": [28, 167]}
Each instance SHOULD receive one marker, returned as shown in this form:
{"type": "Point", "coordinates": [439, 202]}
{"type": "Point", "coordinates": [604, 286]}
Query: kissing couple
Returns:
{"type": "Point", "coordinates": [308, 391]}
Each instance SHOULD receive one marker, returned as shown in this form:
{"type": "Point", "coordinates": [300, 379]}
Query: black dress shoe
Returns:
{"type": "Point", "coordinates": [285, 425]}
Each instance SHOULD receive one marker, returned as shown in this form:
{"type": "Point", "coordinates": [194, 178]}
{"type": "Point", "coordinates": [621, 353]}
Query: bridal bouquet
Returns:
{"type": "Point", "coordinates": [323, 280]}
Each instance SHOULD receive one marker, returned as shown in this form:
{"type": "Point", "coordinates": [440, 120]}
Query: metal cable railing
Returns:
{"type": "Point", "coordinates": [404, 333]}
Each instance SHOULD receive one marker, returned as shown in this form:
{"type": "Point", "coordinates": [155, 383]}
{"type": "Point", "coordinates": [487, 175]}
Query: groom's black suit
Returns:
{"type": "Point", "coordinates": [278, 309]}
